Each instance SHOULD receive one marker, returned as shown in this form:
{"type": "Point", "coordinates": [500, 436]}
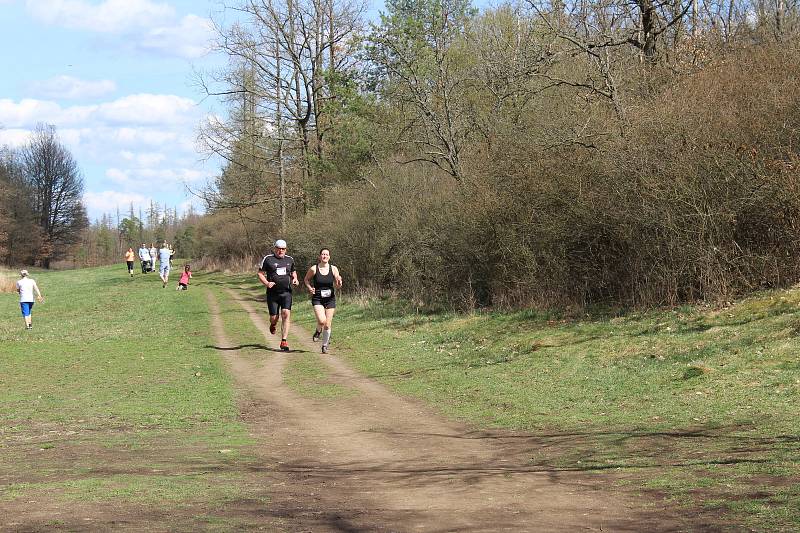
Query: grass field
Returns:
{"type": "Point", "coordinates": [119, 396]}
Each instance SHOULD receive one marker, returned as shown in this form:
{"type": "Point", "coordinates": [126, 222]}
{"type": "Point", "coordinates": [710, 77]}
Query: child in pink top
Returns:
{"type": "Point", "coordinates": [186, 275]}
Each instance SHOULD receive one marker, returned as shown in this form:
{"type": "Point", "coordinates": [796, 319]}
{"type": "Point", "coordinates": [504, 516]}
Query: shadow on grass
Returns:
{"type": "Point", "coordinates": [252, 347]}
{"type": "Point", "coordinates": [547, 439]}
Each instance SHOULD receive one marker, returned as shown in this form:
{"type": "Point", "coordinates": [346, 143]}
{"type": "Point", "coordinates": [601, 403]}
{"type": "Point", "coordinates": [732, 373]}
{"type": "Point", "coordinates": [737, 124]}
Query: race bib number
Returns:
{"type": "Point", "coordinates": [280, 271]}
{"type": "Point", "coordinates": [325, 293]}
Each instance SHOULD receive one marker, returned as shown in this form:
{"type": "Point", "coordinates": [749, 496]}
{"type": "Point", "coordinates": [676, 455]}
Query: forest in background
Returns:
{"type": "Point", "coordinates": [633, 153]}
{"type": "Point", "coordinates": [43, 220]}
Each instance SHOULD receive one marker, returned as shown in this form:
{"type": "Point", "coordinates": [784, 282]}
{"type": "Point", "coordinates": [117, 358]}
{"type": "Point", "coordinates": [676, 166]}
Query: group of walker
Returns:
{"type": "Point", "coordinates": [164, 254]}
{"type": "Point", "coordinates": [278, 274]}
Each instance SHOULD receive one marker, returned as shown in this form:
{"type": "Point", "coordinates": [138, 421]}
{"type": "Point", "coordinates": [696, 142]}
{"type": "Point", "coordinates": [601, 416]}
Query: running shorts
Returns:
{"type": "Point", "coordinates": [276, 302]}
{"type": "Point", "coordinates": [327, 303]}
{"type": "Point", "coordinates": [26, 308]}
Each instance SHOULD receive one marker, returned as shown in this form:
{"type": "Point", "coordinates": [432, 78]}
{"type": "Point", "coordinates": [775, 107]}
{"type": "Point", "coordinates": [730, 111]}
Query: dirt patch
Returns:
{"type": "Point", "coordinates": [380, 462]}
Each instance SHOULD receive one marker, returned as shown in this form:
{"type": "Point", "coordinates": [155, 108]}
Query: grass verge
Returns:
{"type": "Point", "coordinates": [695, 403]}
{"type": "Point", "coordinates": [118, 395]}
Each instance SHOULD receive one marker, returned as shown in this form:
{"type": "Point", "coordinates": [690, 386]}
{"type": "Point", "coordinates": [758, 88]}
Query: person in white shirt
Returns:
{"type": "Point", "coordinates": [153, 255]}
{"type": "Point", "coordinates": [144, 256]}
{"type": "Point", "coordinates": [26, 287]}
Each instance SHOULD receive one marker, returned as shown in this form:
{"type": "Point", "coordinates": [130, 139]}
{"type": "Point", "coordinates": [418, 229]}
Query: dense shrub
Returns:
{"type": "Point", "coordinates": [699, 200]}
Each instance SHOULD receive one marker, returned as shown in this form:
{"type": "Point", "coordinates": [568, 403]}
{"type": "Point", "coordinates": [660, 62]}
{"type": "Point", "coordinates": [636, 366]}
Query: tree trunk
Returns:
{"type": "Point", "coordinates": [649, 21]}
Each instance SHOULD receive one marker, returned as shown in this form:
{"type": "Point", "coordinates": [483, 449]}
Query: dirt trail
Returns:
{"type": "Point", "coordinates": [374, 461]}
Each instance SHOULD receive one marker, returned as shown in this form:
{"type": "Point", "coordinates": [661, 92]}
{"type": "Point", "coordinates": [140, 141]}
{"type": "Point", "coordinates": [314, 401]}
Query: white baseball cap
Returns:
{"type": "Point", "coordinates": [23, 272]}
{"type": "Point", "coordinates": [280, 243]}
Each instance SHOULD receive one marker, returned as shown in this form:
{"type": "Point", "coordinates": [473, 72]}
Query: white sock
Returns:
{"type": "Point", "coordinates": [326, 336]}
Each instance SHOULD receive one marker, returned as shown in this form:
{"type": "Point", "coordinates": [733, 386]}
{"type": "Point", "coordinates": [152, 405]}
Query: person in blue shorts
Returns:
{"type": "Point", "coordinates": [26, 287]}
{"type": "Point", "coordinates": [164, 254]}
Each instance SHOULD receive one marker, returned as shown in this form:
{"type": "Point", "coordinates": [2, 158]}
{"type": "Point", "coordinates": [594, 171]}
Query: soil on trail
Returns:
{"type": "Point", "coordinates": [374, 461]}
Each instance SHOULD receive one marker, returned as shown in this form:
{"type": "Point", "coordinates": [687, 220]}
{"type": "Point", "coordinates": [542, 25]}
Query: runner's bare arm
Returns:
{"type": "Point", "coordinates": [311, 271]}
{"type": "Point", "coordinates": [337, 277]}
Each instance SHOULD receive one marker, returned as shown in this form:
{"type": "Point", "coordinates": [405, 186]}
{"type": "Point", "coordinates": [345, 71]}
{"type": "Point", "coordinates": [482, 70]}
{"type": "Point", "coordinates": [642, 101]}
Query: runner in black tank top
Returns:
{"type": "Point", "coordinates": [324, 294]}
{"type": "Point", "coordinates": [326, 279]}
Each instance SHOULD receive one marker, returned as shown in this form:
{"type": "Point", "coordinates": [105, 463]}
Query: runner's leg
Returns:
{"type": "Point", "coordinates": [326, 332]}
{"type": "Point", "coordinates": [285, 323]}
{"type": "Point", "coordinates": [320, 314]}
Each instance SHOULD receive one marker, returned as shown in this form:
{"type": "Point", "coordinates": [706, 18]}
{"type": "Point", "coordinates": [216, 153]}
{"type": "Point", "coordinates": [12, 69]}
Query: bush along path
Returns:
{"type": "Point", "coordinates": [346, 454]}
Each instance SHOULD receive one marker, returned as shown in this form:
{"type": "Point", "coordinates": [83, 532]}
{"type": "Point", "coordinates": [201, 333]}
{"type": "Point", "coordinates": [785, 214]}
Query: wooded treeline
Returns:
{"type": "Point", "coordinates": [43, 220]}
{"type": "Point", "coordinates": [106, 240]}
{"type": "Point", "coordinates": [41, 211]}
{"type": "Point", "coordinates": [537, 153]}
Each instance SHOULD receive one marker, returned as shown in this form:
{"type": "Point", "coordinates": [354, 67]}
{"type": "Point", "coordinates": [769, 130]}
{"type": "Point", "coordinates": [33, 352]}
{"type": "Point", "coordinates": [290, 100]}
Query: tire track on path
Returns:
{"type": "Point", "coordinates": [381, 462]}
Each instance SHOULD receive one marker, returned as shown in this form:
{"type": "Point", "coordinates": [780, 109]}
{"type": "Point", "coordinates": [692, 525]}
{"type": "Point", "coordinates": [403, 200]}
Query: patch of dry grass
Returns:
{"type": "Point", "coordinates": [7, 281]}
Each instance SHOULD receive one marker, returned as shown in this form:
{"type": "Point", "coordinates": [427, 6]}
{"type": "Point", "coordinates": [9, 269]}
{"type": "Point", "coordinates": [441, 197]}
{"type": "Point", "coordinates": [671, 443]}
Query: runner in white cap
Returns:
{"type": "Point", "coordinates": [277, 273]}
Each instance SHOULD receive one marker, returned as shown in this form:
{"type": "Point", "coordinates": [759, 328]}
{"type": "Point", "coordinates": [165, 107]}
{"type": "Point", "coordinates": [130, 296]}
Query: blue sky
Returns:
{"type": "Point", "coordinates": [115, 78]}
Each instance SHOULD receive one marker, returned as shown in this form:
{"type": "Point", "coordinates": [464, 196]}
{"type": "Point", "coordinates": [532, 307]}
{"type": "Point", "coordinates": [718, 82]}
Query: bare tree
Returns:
{"type": "Point", "coordinates": [425, 76]}
{"type": "Point", "coordinates": [281, 53]}
{"type": "Point", "coordinates": [57, 185]}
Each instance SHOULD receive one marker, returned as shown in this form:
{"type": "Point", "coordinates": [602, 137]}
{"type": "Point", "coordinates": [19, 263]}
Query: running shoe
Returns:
{"type": "Point", "coordinates": [324, 348]}
{"type": "Point", "coordinates": [316, 336]}
{"type": "Point", "coordinates": [28, 327]}
{"type": "Point", "coordinates": [284, 345]}
{"type": "Point", "coordinates": [272, 328]}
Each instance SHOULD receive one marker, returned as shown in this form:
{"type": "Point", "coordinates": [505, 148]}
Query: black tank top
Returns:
{"type": "Point", "coordinates": [323, 282]}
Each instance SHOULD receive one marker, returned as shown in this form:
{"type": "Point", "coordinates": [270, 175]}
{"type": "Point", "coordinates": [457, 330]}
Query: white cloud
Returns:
{"type": "Point", "coordinates": [146, 109]}
{"type": "Point", "coordinates": [142, 137]}
{"type": "Point", "coordinates": [117, 176]}
{"type": "Point", "coordinates": [26, 113]}
{"type": "Point", "coordinates": [14, 138]}
{"type": "Point", "coordinates": [146, 159]}
{"type": "Point", "coordinates": [110, 16]}
{"type": "Point", "coordinates": [137, 109]}
{"type": "Point", "coordinates": [133, 24]}
{"type": "Point", "coordinates": [131, 149]}
{"type": "Point", "coordinates": [68, 87]}
{"type": "Point", "coordinates": [108, 201]}
{"type": "Point", "coordinates": [190, 38]}
{"type": "Point", "coordinates": [174, 175]}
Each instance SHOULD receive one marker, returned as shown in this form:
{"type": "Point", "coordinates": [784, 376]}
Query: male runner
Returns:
{"type": "Point", "coordinates": [277, 274]}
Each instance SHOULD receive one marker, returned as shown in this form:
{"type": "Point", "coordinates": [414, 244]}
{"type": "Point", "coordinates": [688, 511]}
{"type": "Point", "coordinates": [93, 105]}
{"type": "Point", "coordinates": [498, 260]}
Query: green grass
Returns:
{"type": "Point", "coordinates": [141, 489]}
{"type": "Point", "coordinates": [659, 398]}
{"type": "Point", "coordinates": [117, 377]}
